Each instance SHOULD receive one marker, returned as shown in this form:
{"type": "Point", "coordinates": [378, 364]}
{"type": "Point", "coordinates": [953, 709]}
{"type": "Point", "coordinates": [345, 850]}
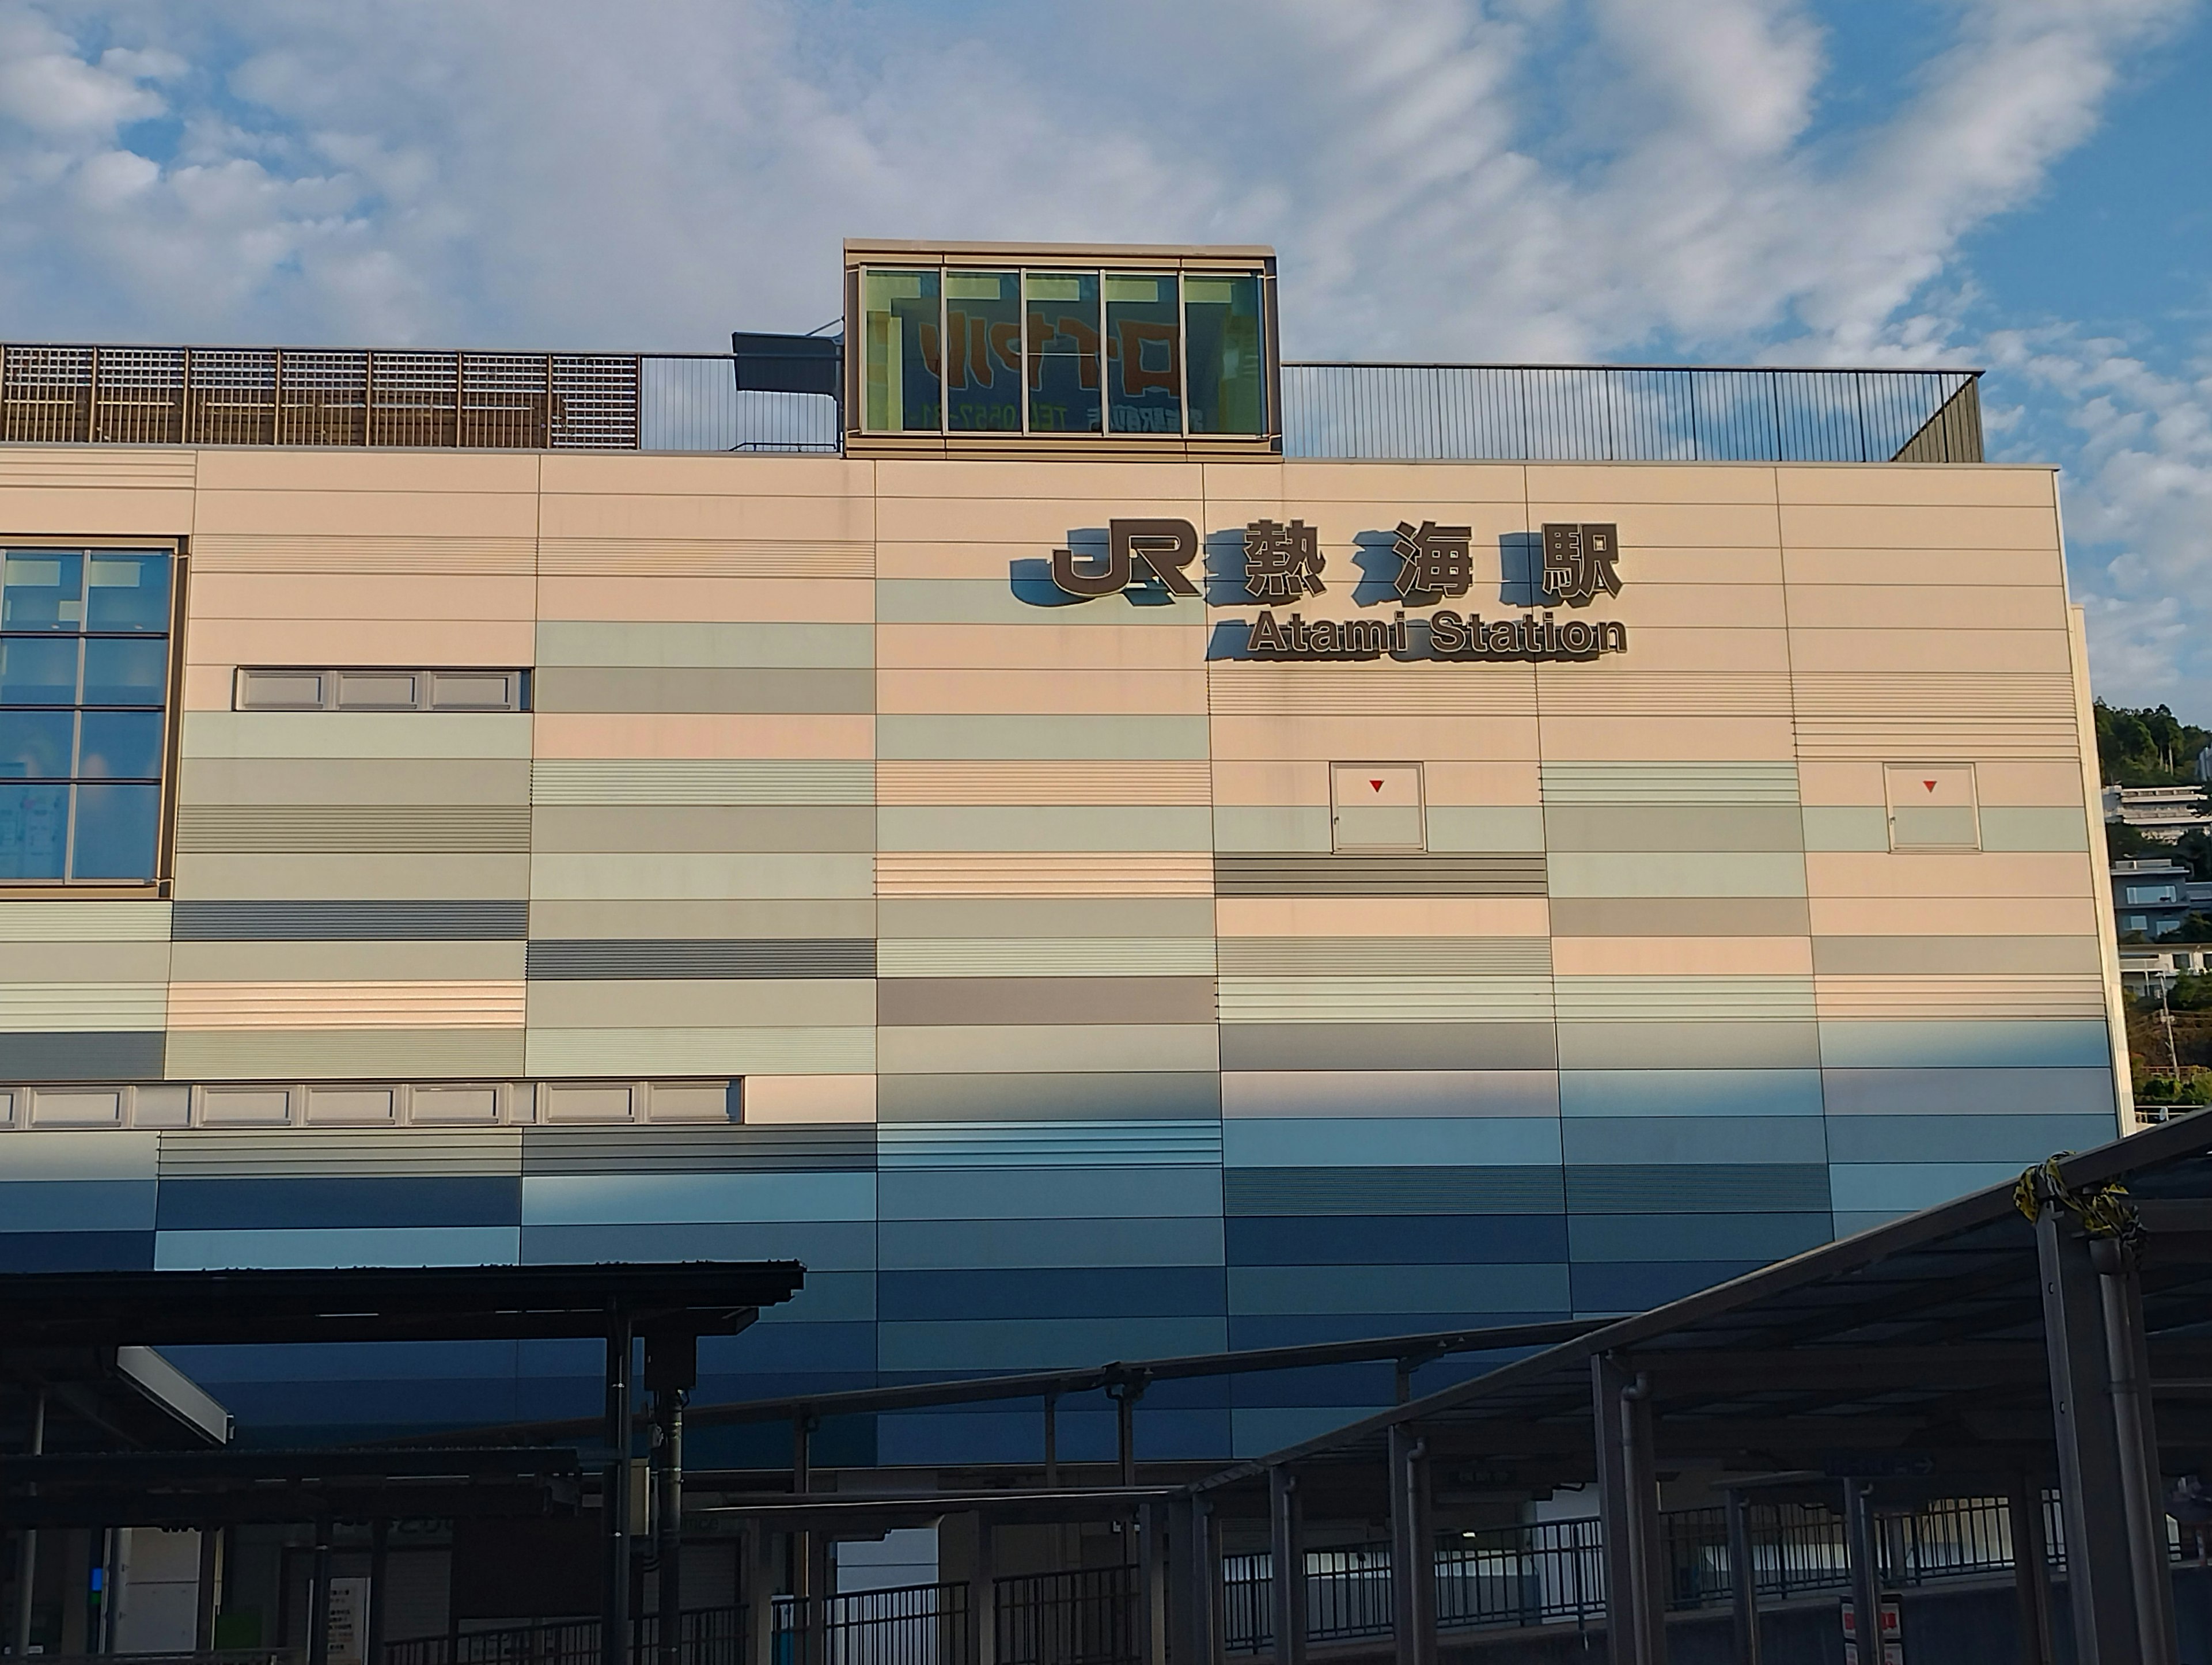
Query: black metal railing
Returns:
{"type": "Point", "coordinates": [1086, 1618]}
{"type": "Point", "coordinates": [709, 1635]}
{"type": "Point", "coordinates": [691, 402]}
{"type": "Point", "coordinates": [908, 1624]}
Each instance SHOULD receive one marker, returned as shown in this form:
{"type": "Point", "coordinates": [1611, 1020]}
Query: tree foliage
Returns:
{"type": "Point", "coordinates": [2147, 746]}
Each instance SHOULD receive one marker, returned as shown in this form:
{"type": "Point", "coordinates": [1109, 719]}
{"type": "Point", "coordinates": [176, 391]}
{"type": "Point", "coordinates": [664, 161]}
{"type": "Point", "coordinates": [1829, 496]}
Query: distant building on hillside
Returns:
{"type": "Point", "coordinates": [2161, 812]}
{"type": "Point", "coordinates": [2204, 764]}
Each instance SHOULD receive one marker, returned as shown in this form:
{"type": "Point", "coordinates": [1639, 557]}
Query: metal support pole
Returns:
{"type": "Point", "coordinates": [1288, 1592]}
{"type": "Point", "coordinates": [1412, 1550]}
{"type": "Point", "coordinates": [2099, 1574]}
{"type": "Point", "coordinates": [2134, 1430]}
{"type": "Point", "coordinates": [319, 1609]}
{"type": "Point", "coordinates": [982, 1597]}
{"type": "Point", "coordinates": [1190, 1582]}
{"type": "Point", "coordinates": [671, 1367]}
{"type": "Point", "coordinates": [1152, 1578]}
{"type": "Point", "coordinates": [1743, 1580]}
{"type": "Point", "coordinates": [1866, 1583]}
{"type": "Point", "coordinates": [805, 1588]}
{"type": "Point", "coordinates": [760, 1595]}
{"type": "Point", "coordinates": [26, 1550]}
{"type": "Point", "coordinates": [2030, 1575]}
{"type": "Point", "coordinates": [1125, 1396]}
{"type": "Point", "coordinates": [1628, 1490]}
{"type": "Point", "coordinates": [203, 1589]}
{"type": "Point", "coordinates": [821, 1587]}
{"type": "Point", "coordinates": [1052, 1441]}
{"type": "Point", "coordinates": [613, 1614]}
{"type": "Point", "coordinates": [379, 1534]}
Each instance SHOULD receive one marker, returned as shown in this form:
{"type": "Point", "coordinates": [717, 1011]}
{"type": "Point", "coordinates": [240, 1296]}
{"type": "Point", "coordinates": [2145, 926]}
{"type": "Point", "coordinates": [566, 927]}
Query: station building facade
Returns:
{"type": "Point", "coordinates": [1086, 882]}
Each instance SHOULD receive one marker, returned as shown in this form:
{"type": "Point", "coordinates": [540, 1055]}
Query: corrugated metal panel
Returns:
{"type": "Point", "coordinates": [1353, 956]}
{"type": "Point", "coordinates": [730, 1149]}
{"type": "Point", "coordinates": [1102, 781]}
{"type": "Point", "coordinates": [380, 1004]}
{"type": "Point", "coordinates": [1686, 1188]}
{"type": "Point", "coordinates": [706, 557]}
{"type": "Point", "coordinates": [351, 921]}
{"type": "Point", "coordinates": [1683, 1000]}
{"type": "Point", "coordinates": [303, 1152]}
{"type": "Point", "coordinates": [1533, 1189]}
{"type": "Point", "coordinates": [1940, 714]}
{"type": "Point", "coordinates": [1575, 690]}
{"type": "Point", "coordinates": [81, 1008]}
{"type": "Point", "coordinates": [1046, 957]}
{"type": "Point", "coordinates": [700, 780]}
{"type": "Point", "coordinates": [380, 828]}
{"type": "Point", "coordinates": [1515, 873]}
{"type": "Point", "coordinates": [84, 922]}
{"type": "Point", "coordinates": [331, 1054]}
{"type": "Point", "coordinates": [1412, 999]}
{"type": "Point", "coordinates": [1048, 1143]}
{"type": "Point", "coordinates": [1430, 690]}
{"type": "Point", "coordinates": [74, 468]}
{"type": "Point", "coordinates": [2049, 996]}
{"type": "Point", "coordinates": [1045, 873]}
{"type": "Point", "coordinates": [792, 1050]}
{"type": "Point", "coordinates": [290, 552]}
{"type": "Point", "coordinates": [591, 959]}
{"type": "Point", "coordinates": [1670, 783]}
{"type": "Point", "coordinates": [698, 642]}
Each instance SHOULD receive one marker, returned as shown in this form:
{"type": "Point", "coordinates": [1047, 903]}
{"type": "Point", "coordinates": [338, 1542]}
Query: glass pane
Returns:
{"type": "Point", "coordinates": [41, 590]}
{"type": "Point", "coordinates": [129, 591]}
{"type": "Point", "coordinates": [899, 376]}
{"type": "Point", "coordinates": [120, 745]}
{"type": "Point", "coordinates": [127, 671]}
{"type": "Point", "coordinates": [1227, 365]}
{"type": "Point", "coordinates": [1063, 330]}
{"type": "Point", "coordinates": [33, 830]}
{"type": "Point", "coordinates": [35, 670]}
{"type": "Point", "coordinates": [115, 832]}
{"type": "Point", "coordinates": [1144, 353]}
{"type": "Point", "coordinates": [983, 351]}
{"type": "Point", "coordinates": [35, 745]}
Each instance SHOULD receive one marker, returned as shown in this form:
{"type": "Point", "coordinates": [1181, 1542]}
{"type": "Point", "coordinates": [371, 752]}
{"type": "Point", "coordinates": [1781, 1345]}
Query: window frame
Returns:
{"type": "Point", "coordinates": [162, 882]}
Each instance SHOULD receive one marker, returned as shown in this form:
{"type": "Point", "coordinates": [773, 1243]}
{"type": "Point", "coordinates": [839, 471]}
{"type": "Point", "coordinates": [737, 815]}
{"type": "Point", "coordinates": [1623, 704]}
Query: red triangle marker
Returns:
{"type": "Point", "coordinates": [1377, 785]}
{"type": "Point", "coordinates": [1930, 785]}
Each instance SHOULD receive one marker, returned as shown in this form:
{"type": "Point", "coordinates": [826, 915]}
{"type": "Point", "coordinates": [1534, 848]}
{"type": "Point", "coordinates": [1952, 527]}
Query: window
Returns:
{"type": "Point", "coordinates": [84, 680]}
{"type": "Point", "coordinates": [1377, 807]}
{"type": "Point", "coordinates": [1043, 351]}
{"type": "Point", "coordinates": [305, 689]}
{"type": "Point", "coordinates": [1932, 806]}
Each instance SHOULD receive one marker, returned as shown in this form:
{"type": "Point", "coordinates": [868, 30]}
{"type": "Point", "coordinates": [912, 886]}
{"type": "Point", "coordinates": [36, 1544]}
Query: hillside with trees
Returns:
{"type": "Point", "coordinates": [2147, 746]}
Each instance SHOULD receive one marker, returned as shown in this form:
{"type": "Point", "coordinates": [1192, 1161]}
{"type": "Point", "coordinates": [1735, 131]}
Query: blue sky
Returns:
{"type": "Point", "coordinates": [2018, 184]}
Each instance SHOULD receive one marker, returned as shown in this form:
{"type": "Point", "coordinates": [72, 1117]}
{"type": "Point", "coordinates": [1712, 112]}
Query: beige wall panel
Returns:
{"type": "Point", "coordinates": [1688, 649]}
{"type": "Point", "coordinates": [435, 597]}
{"type": "Point", "coordinates": [1677, 874]}
{"type": "Point", "coordinates": [787, 646]}
{"type": "Point", "coordinates": [371, 829]}
{"type": "Point", "coordinates": [345, 962]}
{"type": "Point", "coordinates": [109, 468]}
{"type": "Point", "coordinates": [1628, 737]}
{"type": "Point", "coordinates": [208, 687]}
{"type": "Point", "coordinates": [448, 1002]}
{"type": "Point", "coordinates": [85, 962]}
{"type": "Point", "coordinates": [1952, 916]}
{"type": "Point", "coordinates": [1047, 1049]}
{"type": "Point", "coordinates": [585, 473]}
{"type": "Point", "coordinates": [1905, 568]}
{"type": "Point", "coordinates": [510, 643]}
{"type": "Point", "coordinates": [1323, 482]}
{"type": "Point", "coordinates": [338, 1054]}
{"type": "Point", "coordinates": [780, 1100]}
{"type": "Point", "coordinates": [2049, 997]}
{"type": "Point", "coordinates": [1031, 526]}
{"type": "Point", "coordinates": [1062, 917]}
{"type": "Point", "coordinates": [1944, 485]}
{"type": "Point", "coordinates": [1929, 607]}
{"type": "Point", "coordinates": [2027, 782]}
{"type": "Point", "coordinates": [352, 877]}
{"type": "Point", "coordinates": [1932, 527]}
{"type": "Point", "coordinates": [732, 600]}
{"type": "Point", "coordinates": [586, 878]}
{"type": "Point", "coordinates": [1663, 568]}
{"type": "Point", "coordinates": [377, 513]}
{"type": "Point", "coordinates": [1860, 783]}
{"type": "Point", "coordinates": [1383, 916]}
{"type": "Point", "coordinates": [1341, 524]}
{"type": "Point", "coordinates": [1609, 686]}
{"type": "Point", "coordinates": [86, 920]}
{"type": "Point", "coordinates": [971, 481]}
{"type": "Point", "coordinates": [978, 563]}
{"type": "Point", "coordinates": [452, 781]}
{"type": "Point", "coordinates": [1371, 690]}
{"type": "Point", "coordinates": [1500, 739]}
{"type": "Point", "coordinates": [676, 1003]}
{"type": "Point", "coordinates": [703, 734]}
{"type": "Point", "coordinates": [96, 512]}
{"type": "Point", "coordinates": [1044, 873]}
{"type": "Point", "coordinates": [1045, 956]}
{"type": "Point", "coordinates": [629, 918]}
{"type": "Point", "coordinates": [335, 553]}
{"type": "Point", "coordinates": [1691, 956]}
{"type": "Point", "coordinates": [2044, 651]}
{"type": "Point", "coordinates": [700, 1051]}
{"type": "Point", "coordinates": [619, 515]}
{"type": "Point", "coordinates": [334, 734]}
{"type": "Point", "coordinates": [1651, 482]}
{"type": "Point", "coordinates": [81, 1008]}
{"type": "Point", "coordinates": [316, 469]}
{"type": "Point", "coordinates": [1282, 782]}
{"type": "Point", "coordinates": [1029, 781]}
{"type": "Point", "coordinates": [1856, 873]}
{"type": "Point", "coordinates": [602, 780]}
{"type": "Point", "coordinates": [1699, 526]}
{"type": "Point", "coordinates": [1032, 646]}
{"type": "Point", "coordinates": [1052, 828]}
{"type": "Point", "coordinates": [1449, 781]}
{"type": "Point", "coordinates": [724, 830]}
{"type": "Point", "coordinates": [1041, 690]}
{"type": "Point", "coordinates": [706, 557]}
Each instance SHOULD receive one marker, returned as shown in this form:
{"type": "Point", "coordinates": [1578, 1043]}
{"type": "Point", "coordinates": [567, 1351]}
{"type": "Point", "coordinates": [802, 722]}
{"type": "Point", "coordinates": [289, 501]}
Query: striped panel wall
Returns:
{"type": "Point", "coordinates": [1298, 875]}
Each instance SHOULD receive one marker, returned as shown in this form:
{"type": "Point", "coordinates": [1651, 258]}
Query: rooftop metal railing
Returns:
{"type": "Point", "coordinates": [691, 402]}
